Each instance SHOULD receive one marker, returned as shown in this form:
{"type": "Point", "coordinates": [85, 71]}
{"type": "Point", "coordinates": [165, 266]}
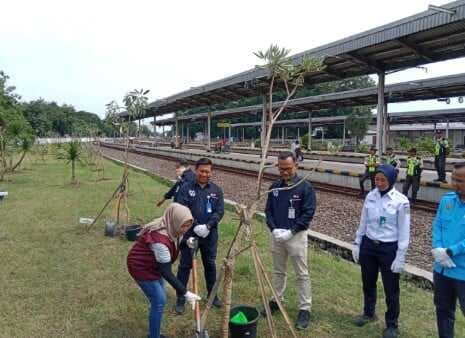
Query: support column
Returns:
{"type": "Point", "coordinates": [379, 113]}
{"type": "Point", "coordinates": [344, 133]}
{"type": "Point", "coordinates": [209, 121]}
{"type": "Point", "coordinates": [154, 127]}
{"type": "Point", "coordinates": [229, 133]}
{"type": "Point", "coordinates": [282, 135]}
{"type": "Point", "coordinates": [309, 145]}
{"type": "Point", "coordinates": [188, 135]}
{"type": "Point", "coordinates": [447, 129]}
{"type": "Point", "coordinates": [243, 134]}
{"type": "Point", "coordinates": [298, 134]}
{"type": "Point", "coordinates": [176, 142]}
{"type": "Point", "coordinates": [385, 127]}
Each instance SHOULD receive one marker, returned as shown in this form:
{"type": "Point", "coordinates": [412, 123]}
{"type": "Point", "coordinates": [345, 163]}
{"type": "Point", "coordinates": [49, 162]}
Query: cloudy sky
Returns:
{"type": "Point", "coordinates": [86, 53]}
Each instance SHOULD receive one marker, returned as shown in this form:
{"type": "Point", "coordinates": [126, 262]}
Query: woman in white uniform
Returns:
{"type": "Point", "coordinates": [381, 244]}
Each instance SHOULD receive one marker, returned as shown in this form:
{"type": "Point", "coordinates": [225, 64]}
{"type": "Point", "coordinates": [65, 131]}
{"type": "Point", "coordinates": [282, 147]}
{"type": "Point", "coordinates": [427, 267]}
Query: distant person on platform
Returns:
{"type": "Point", "coordinates": [441, 150]}
{"type": "Point", "coordinates": [392, 159]}
{"type": "Point", "coordinates": [297, 150]}
{"type": "Point", "coordinates": [184, 175]}
{"type": "Point", "coordinates": [449, 254]}
{"type": "Point", "coordinates": [371, 163]}
{"type": "Point", "coordinates": [205, 201]}
{"type": "Point", "coordinates": [288, 215]}
{"type": "Point", "coordinates": [381, 245]}
{"type": "Point", "coordinates": [412, 174]}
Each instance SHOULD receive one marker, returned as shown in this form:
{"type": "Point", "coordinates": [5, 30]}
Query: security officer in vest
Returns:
{"type": "Point", "coordinates": [391, 159]}
{"type": "Point", "coordinates": [184, 175]}
{"type": "Point", "coordinates": [371, 163]}
{"type": "Point", "coordinates": [441, 150]}
{"type": "Point", "coordinates": [205, 201]}
{"type": "Point", "coordinates": [289, 211]}
{"type": "Point", "coordinates": [449, 254]}
{"type": "Point", "coordinates": [412, 174]}
{"type": "Point", "coordinates": [381, 244]}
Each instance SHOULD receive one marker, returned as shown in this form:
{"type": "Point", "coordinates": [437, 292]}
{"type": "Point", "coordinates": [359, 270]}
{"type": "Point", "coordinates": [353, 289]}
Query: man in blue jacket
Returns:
{"type": "Point", "coordinates": [449, 254]}
{"type": "Point", "coordinates": [289, 210]}
{"type": "Point", "coordinates": [184, 175]}
{"type": "Point", "coordinates": [205, 201]}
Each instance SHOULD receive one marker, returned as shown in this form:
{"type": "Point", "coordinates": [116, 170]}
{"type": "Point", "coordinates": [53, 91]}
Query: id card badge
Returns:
{"type": "Point", "coordinates": [382, 221]}
{"type": "Point", "coordinates": [209, 206]}
{"type": "Point", "coordinates": [291, 213]}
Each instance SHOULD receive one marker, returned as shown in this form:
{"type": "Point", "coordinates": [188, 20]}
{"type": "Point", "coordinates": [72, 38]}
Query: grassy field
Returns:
{"type": "Point", "coordinates": [58, 281]}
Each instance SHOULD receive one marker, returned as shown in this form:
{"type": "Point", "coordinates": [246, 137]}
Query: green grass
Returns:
{"type": "Point", "coordinates": [58, 281]}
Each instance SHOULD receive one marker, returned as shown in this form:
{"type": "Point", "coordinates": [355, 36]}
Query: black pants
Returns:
{"type": "Point", "coordinates": [367, 175]}
{"type": "Point", "coordinates": [446, 292]}
{"type": "Point", "coordinates": [440, 166]}
{"type": "Point", "coordinates": [208, 249]}
{"type": "Point", "coordinates": [374, 257]}
{"type": "Point", "coordinates": [414, 182]}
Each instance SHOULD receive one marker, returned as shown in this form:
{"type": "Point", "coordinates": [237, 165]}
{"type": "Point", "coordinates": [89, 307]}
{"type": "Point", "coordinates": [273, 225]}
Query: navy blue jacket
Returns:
{"type": "Point", "coordinates": [193, 196]}
{"type": "Point", "coordinates": [187, 176]}
{"type": "Point", "coordinates": [301, 198]}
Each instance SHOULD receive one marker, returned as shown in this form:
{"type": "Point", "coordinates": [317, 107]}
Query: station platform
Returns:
{"type": "Point", "coordinates": [326, 172]}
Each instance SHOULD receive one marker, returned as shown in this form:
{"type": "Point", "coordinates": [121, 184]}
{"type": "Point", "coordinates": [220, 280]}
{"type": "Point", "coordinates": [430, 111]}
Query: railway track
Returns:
{"type": "Point", "coordinates": [420, 205]}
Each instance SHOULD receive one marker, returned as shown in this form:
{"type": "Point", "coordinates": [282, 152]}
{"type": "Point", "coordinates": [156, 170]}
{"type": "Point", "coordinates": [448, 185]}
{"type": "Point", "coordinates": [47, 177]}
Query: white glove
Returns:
{"type": "Point", "coordinates": [285, 236]}
{"type": "Point", "coordinates": [398, 264]}
{"type": "Point", "coordinates": [356, 252]}
{"type": "Point", "coordinates": [192, 298]}
{"type": "Point", "coordinates": [201, 230]}
{"type": "Point", "coordinates": [191, 242]}
{"type": "Point", "coordinates": [440, 256]}
{"type": "Point", "coordinates": [277, 234]}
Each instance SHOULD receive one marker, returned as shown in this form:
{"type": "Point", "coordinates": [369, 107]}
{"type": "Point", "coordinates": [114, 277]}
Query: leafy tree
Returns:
{"type": "Point", "coordinates": [72, 153]}
{"type": "Point", "coordinates": [358, 122]}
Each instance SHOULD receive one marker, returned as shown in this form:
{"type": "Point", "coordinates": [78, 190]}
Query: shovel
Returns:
{"type": "Point", "coordinates": [199, 333]}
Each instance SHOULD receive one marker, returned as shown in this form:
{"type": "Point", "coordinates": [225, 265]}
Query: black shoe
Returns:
{"type": "Point", "coordinates": [180, 306]}
{"type": "Point", "coordinates": [364, 319]}
{"type": "Point", "coordinates": [217, 303]}
{"type": "Point", "coordinates": [303, 320]}
{"type": "Point", "coordinates": [273, 308]}
{"type": "Point", "coordinates": [391, 332]}
{"type": "Point", "coordinates": [444, 181]}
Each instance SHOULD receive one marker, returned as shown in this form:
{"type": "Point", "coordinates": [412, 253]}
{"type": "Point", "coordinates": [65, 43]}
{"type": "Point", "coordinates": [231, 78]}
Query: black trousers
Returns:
{"type": "Point", "coordinates": [446, 292]}
{"type": "Point", "coordinates": [440, 166]}
{"type": "Point", "coordinates": [378, 257]}
{"type": "Point", "coordinates": [414, 182]}
{"type": "Point", "coordinates": [208, 249]}
{"type": "Point", "coordinates": [367, 175]}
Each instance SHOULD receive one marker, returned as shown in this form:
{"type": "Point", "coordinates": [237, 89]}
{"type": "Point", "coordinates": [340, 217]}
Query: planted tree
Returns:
{"type": "Point", "coordinates": [358, 122]}
{"type": "Point", "coordinates": [284, 72]}
{"type": "Point", "coordinates": [72, 153]}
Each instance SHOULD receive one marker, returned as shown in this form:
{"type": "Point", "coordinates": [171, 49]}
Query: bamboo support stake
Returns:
{"type": "Point", "coordinates": [273, 291]}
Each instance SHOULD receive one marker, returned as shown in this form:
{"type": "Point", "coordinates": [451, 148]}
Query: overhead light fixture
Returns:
{"type": "Point", "coordinates": [443, 99]}
{"type": "Point", "coordinates": [442, 9]}
{"type": "Point", "coordinates": [460, 99]}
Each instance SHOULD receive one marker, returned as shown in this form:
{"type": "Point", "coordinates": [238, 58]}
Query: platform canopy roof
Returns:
{"type": "Point", "coordinates": [434, 88]}
{"type": "Point", "coordinates": [426, 37]}
{"type": "Point", "coordinates": [410, 117]}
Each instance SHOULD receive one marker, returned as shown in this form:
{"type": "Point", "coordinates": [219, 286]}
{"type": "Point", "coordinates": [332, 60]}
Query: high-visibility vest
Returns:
{"type": "Point", "coordinates": [442, 143]}
{"type": "Point", "coordinates": [372, 162]}
{"type": "Point", "coordinates": [413, 166]}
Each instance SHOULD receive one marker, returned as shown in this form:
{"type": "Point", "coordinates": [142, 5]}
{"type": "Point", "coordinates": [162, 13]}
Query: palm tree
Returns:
{"type": "Point", "coordinates": [72, 153]}
{"type": "Point", "coordinates": [25, 143]}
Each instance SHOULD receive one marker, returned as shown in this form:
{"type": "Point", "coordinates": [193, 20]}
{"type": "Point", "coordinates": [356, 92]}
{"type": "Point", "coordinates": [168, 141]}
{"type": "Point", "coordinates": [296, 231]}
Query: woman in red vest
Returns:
{"type": "Point", "coordinates": [150, 259]}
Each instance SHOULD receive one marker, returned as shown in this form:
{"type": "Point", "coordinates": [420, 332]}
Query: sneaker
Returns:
{"type": "Point", "coordinates": [273, 308]}
{"type": "Point", "coordinates": [217, 303]}
{"type": "Point", "coordinates": [303, 320]}
{"type": "Point", "coordinates": [391, 332]}
{"type": "Point", "coordinates": [180, 306]}
{"type": "Point", "coordinates": [364, 319]}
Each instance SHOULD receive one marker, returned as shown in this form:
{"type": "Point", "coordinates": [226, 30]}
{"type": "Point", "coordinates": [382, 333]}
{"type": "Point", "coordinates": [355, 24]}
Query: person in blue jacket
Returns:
{"type": "Point", "coordinates": [205, 201]}
{"type": "Point", "coordinates": [184, 175]}
{"type": "Point", "coordinates": [449, 254]}
{"type": "Point", "coordinates": [289, 210]}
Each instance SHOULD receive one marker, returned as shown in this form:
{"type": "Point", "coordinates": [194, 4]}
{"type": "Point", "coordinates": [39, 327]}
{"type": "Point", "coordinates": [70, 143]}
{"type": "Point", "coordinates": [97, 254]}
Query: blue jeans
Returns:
{"type": "Point", "coordinates": [155, 292]}
{"type": "Point", "coordinates": [446, 293]}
